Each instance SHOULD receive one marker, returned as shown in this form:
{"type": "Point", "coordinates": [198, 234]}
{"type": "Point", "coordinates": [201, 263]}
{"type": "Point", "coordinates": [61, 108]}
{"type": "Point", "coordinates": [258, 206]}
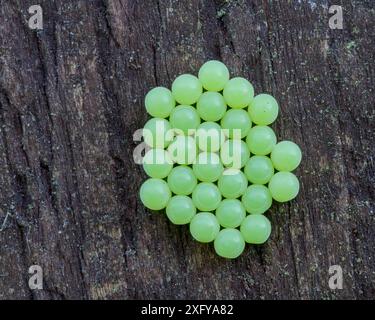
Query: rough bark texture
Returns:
{"type": "Point", "coordinates": [71, 96]}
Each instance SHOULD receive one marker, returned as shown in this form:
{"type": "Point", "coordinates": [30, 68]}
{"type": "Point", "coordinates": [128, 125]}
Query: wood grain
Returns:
{"type": "Point", "coordinates": [71, 96]}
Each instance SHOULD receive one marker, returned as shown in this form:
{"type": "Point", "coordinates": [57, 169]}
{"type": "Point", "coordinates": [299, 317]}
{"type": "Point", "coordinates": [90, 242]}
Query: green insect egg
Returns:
{"type": "Point", "coordinates": [155, 194]}
{"type": "Point", "coordinates": [256, 229]}
{"type": "Point", "coordinates": [238, 92]}
{"type": "Point", "coordinates": [209, 137]}
{"type": "Point", "coordinates": [184, 119]}
{"type": "Point", "coordinates": [230, 213]}
{"type": "Point", "coordinates": [286, 156]}
{"type": "Point", "coordinates": [157, 163]}
{"type": "Point", "coordinates": [234, 154]}
{"type": "Point", "coordinates": [180, 210]}
{"type": "Point", "coordinates": [157, 133]}
{"type": "Point", "coordinates": [261, 140]}
{"type": "Point", "coordinates": [263, 109]}
{"type": "Point", "coordinates": [186, 89]}
{"type": "Point", "coordinates": [236, 123]}
{"type": "Point", "coordinates": [211, 106]}
{"type": "Point", "coordinates": [284, 186]}
{"type": "Point", "coordinates": [208, 167]}
{"type": "Point", "coordinates": [206, 196]}
{"type": "Point", "coordinates": [183, 150]}
{"type": "Point", "coordinates": [214, 75]}
{"type": "Point", "coordinates": [204, 227]}
{"type": "Point", "coordinates": [259, 169]}
{"type": "Point", "coordinates": [257, 199]}
{"type": "Point", "coordinates": [159, 102]}
{"type": "Point", "coordinates": [229, 243]}
{"type": "Point", "coordinates": [232, 183]}
{"type": "Point", "coordinates": [181, 180]}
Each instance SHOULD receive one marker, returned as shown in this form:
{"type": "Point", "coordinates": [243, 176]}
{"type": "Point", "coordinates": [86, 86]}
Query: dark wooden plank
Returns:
{"type": "Point", "coordinates": [71, 96]}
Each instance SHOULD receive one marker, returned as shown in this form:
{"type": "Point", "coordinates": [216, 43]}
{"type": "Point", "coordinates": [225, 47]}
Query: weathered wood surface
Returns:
{"type": "Point", "coordinates": [71, 96]}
